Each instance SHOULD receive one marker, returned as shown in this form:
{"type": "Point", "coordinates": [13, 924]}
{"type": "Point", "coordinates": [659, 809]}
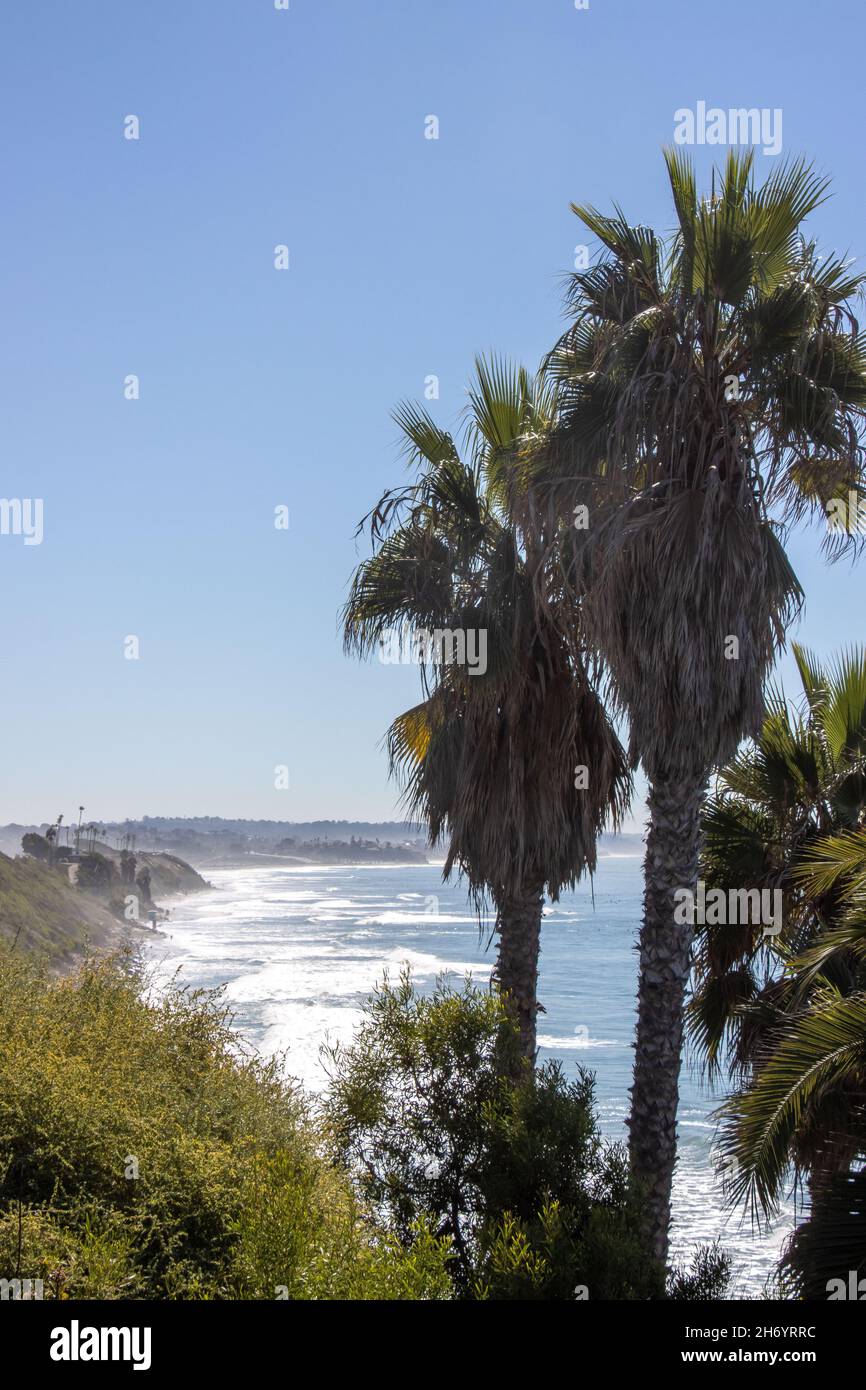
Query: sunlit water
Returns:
{"type": "Point", "coordinates": [298, 949]}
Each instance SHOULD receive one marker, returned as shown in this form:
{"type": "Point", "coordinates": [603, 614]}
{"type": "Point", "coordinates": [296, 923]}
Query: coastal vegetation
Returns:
{"type": "Point", "coordinates": [144, 1154]}
{"type": "Point", "coordinates": [141, 1156]}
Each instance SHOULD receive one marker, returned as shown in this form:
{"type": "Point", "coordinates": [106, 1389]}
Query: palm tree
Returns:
{"type": "Point", "coordinates": [787, 1013]}
{"type": "Point", "coordinates": [491, 761]}
{"type": "Point", "coordinates": [803, 1112]}
{"type": "Point", "coordinates": [787, 814]}
{"type": "Point", "coordinates": [713, 385]}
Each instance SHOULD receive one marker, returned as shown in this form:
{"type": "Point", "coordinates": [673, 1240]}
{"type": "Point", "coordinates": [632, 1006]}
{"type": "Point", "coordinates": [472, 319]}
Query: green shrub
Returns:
{"type": "Point", "coordinates": [141, 1156]}
{"type": "Point", "coordinates": [516, 1177]}
{"type": "Point", "coordinates": [95, 873]}
{"type": "Point", "coordinates": [36, 846]}
{"type": "Point", "coordinates": [706, 1278]}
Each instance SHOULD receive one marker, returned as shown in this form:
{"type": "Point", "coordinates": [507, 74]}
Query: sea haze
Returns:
{"type": "Point", "coordinates": [299, 948]}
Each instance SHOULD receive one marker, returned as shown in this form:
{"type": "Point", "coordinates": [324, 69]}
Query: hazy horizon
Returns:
{"type": "Point", "coordinates": [189, 821]}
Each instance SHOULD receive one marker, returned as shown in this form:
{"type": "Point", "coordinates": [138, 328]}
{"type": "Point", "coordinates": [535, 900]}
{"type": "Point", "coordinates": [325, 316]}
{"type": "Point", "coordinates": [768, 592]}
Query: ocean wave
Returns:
{"type": "Point", "coordinates": [409, 919]}
{"type": "Point", "coordinates": [558, 1044]}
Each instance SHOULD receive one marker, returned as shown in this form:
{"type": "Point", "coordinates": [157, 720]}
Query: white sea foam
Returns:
{"type": "Point", "coordinates": [555, 1044]}
{"type": "Point", "coordinates": [408, 919]}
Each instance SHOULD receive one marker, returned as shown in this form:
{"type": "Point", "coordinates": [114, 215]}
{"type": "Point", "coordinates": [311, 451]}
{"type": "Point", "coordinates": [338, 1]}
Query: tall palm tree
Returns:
{"type": "Point", "coordinates": [491, 761]}
{"type": "Point", "coordinates": [713, 384]}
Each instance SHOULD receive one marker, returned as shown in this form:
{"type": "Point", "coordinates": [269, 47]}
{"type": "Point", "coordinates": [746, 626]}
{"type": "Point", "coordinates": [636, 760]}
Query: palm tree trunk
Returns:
{"type": "Point", "coordinates": [517, 961]}
{"type": "Point", "coordinates": [671, 862]}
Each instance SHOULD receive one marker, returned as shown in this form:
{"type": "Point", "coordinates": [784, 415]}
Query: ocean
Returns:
{"type": "Point", "coordinates": [298, 949]}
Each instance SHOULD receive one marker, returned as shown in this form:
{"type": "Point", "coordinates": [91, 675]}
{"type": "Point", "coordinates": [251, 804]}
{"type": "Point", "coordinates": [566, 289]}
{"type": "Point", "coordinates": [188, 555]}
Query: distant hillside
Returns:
{"type": "Point", "coordinates": [169, 844]}
{"type": "Point", "coordinates": [630, 844]}
{"type": "Point", "coordinates": [45, 910]}
{"type": "Point", "coordinates": [213, 839]}
{"type": "Point", "coordinates": [268, 829]}
{"type": "Point", "coordinates": [43, 915]}
{"type": "Point", "coordinates": [168, 873]}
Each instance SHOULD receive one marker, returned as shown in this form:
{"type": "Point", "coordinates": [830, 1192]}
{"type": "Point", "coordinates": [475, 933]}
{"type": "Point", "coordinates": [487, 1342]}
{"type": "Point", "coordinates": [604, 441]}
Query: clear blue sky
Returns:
{"type": "Point", "coordinates": [260, 387]}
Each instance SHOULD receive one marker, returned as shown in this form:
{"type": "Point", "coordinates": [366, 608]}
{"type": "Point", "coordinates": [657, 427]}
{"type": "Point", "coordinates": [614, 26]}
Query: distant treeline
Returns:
{"type": "Point", "coordinates": [262, 829]}
{"type": "Point", "coordinates": [355, 850]}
